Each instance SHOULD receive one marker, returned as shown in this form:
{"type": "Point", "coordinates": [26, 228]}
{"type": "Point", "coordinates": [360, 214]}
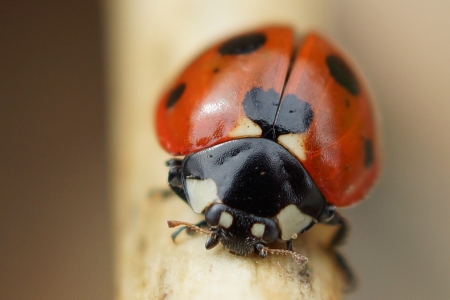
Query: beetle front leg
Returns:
{"type": "Point", "coordinates": [174, 181]}
{"type": "Point", "coordinates": [174, 178]}
{"type": "Point", "coordinates": [289, 245]}
{"type": "Point", "coordinates": [331, 217]}
{"type": "Point", "coordinates": [188, 231]}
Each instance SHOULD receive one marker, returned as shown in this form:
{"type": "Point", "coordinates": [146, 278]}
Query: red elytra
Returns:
{"type": "Point", "coordinates": [339, 147]}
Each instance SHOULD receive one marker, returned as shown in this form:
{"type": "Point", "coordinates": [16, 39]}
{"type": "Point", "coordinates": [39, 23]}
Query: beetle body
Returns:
{"type": "Point", "coordinates": [274, 136]}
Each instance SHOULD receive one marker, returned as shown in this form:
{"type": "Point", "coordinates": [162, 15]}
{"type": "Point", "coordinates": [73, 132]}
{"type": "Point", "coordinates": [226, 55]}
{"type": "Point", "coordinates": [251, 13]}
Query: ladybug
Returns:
{"type": "Point", "coordinates": [271, 136]}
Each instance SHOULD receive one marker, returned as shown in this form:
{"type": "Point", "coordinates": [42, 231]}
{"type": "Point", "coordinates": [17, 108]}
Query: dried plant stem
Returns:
{"type": "Point", "coordinates": [153, 267]}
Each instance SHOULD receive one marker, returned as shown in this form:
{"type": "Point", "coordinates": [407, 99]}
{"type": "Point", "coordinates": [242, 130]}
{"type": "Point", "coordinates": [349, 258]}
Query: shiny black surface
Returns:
{"type": "Point", "coordinates": [257, 176]}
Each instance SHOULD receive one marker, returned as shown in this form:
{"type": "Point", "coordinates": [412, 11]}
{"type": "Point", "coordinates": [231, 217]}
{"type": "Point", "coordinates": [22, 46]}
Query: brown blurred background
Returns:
{"type": "Point", "coordinates": [55, 232]}
{"type": "Point", "coordinates": [54, 216]}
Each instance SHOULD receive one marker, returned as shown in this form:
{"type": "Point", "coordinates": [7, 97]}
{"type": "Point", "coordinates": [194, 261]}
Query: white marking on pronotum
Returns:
{"type": "Point", "coordinates": [226, 219]}
{"type": "Point", "coordinates": [258, 230]}
{"type": "Point", "coordinates": [245, 127]}
{"type": "Point", "coordinates": [295, 143]}
{"type": "Point", "coordinates": [292, 221]}
{"type": "Point", "coordinates": [201, 193]}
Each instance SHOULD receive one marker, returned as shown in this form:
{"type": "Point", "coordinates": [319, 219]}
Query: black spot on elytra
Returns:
{"type": "Point", "coordinates": [347, 103]}
{"type": "Point", "coordinates": [368, 153]}
{"type": "Point", "coordinates": [342, 73]}
{"type": "Point", "coordinates": [216, 70]}
{"type": "Point", "coordinates": [244, 44]}
{"type": "Point", "coordinates": [175, 95]}
{"type": "Point", "coordinates": [261, 107]}
{"type": "Point", "coordinates": [294, 116]}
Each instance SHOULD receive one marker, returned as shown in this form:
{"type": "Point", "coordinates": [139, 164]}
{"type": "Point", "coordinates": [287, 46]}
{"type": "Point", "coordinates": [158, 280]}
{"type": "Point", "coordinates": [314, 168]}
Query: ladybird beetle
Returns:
{"type": "Point", "coordinates": [273, 136]}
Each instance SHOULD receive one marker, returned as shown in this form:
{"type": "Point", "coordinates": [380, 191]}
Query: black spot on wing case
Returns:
{"type": "Point", "coordinates": [175, 95]}
{"type": "Point", "coordinates": [369, 155]}
{"type": "Point", "coordinates": [244, 44]}
{"type": "Point", "coordinates": [261, 107]}
{"type": "Point", "coordinates": [343, 74]}
{"type": "Point", "coordinates": [257, 176]}
{"type": "Point", "coordinates": [294, 116]}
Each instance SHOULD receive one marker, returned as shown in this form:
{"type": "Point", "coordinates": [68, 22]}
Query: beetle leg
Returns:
{"type": "Point", "coordinates": [331, 217]}
{"type": "Point", "coordinates": [289, 245]}
{"type": "Point", "coordinates": [175, 165]}
{"type": "Point", "coordinates": [350, 277]}
{"type": "Point", "coordinates": [174, 162]}
{"type": "Point", "coordinates": [189, 232]}
{"type": "Point", "coordinates": [160, 192]}
{"type": "Point", "coordinates": [174, 178]}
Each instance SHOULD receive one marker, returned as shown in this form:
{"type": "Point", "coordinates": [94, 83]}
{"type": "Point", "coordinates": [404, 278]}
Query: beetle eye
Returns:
{"type": "Point", "coordinates": [271, 232]}
{"type": "Point", "coordinates": [212, 215]}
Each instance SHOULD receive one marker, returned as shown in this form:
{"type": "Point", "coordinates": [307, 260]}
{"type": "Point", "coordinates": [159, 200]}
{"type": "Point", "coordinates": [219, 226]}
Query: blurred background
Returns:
{"type": "Point", "coordinates": [60, 64]}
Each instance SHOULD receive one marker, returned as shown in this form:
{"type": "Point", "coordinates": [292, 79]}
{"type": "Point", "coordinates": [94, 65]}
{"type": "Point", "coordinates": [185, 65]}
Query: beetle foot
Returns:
{"type": "Point", "coordinates": [191, 228]}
